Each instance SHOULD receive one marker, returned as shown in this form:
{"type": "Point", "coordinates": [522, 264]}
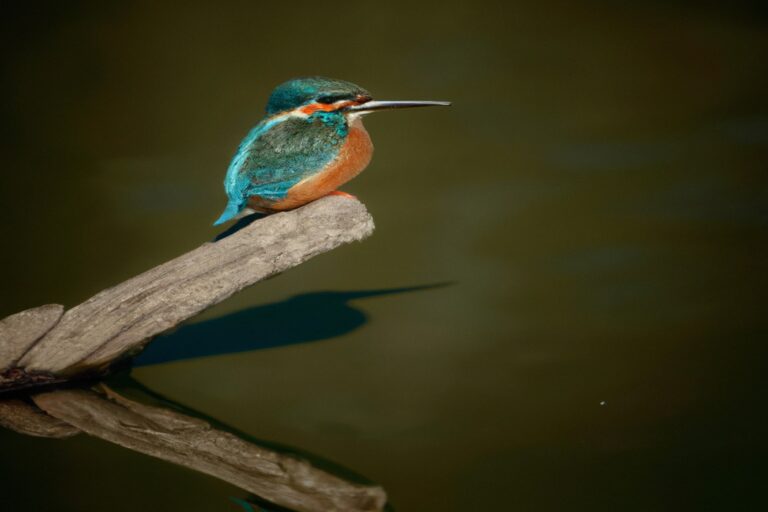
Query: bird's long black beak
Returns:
{"type": "Point", "coordinates": [371, 106]}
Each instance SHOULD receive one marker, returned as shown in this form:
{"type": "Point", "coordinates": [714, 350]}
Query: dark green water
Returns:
{"type": "Point", "coordinates": [595, 198]}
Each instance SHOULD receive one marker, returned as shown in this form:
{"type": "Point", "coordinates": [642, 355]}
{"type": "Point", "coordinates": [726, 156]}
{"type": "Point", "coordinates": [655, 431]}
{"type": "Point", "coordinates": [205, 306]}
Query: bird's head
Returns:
{"type": "Point", "coordinates": [314, 94]}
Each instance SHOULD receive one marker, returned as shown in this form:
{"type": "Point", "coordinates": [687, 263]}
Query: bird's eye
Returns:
{"type": "Point", "coordinates": [331, 98]}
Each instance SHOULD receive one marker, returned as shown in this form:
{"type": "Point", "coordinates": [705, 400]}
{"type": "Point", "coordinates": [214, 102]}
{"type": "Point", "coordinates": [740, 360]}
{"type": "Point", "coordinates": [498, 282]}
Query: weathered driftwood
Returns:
{"type": "Point", "coordinates": [19, 332]}
{"type": "Point", "coordinates": [27, 419]}
{"type": "Point", "coordinates": [282, 479]}
{"type": "Point", "coordinates": [120, 321]}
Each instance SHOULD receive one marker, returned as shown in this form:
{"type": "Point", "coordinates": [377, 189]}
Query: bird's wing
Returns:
{"type": "Point", "coordinates": [274, 159]}
{"type": "Point", "coordinates": [278, 154]}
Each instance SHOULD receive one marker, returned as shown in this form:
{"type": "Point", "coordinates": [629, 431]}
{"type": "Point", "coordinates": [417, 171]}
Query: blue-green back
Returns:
{"type": "Point", "coordinates": [280, 152]}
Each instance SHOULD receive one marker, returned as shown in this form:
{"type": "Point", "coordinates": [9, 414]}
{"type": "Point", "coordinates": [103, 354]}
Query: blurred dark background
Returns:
{"type": "Point", "coordinates": [597, 198]}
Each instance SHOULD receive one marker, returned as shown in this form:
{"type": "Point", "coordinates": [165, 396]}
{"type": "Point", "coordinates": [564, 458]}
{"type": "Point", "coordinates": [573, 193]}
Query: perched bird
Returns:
{"type": "Point", "coordinates": [310, 142]}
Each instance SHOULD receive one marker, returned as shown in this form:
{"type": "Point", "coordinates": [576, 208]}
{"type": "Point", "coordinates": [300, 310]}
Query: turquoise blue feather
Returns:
{"type": "Point", "coordinates": [277, 154]}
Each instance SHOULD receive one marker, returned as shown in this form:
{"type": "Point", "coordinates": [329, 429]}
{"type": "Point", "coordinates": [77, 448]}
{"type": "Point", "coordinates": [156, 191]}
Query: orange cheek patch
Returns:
{"type": "Point", "coordinates": [314, 107]}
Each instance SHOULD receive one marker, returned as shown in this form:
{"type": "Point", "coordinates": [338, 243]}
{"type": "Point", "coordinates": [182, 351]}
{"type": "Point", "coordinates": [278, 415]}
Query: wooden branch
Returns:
{"type": "Point", "coordinates": [19, 332]}
{"type": "Point", "coordinates": [119, 321]}
{"type": "Point", "coordinates": [27, 419]}
{"type": "Point", "coordinates": [282, 479]}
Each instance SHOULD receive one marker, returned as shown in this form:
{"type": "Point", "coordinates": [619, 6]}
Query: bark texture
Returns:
{"type": "Point", "coordinates": [20, 331]}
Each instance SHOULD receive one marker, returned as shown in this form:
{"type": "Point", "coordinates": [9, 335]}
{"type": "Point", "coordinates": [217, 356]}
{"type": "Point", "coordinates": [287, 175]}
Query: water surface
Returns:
{"type": "Point", "coordinates": [594, 203]}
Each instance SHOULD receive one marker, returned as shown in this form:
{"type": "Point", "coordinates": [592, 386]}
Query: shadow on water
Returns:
{"type": "Point", "coordinates": [300, 319]}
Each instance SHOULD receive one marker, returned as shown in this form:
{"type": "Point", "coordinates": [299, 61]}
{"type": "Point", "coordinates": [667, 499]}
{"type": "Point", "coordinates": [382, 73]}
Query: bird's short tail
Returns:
{"type": "Point", "coordinates": [230, 212]}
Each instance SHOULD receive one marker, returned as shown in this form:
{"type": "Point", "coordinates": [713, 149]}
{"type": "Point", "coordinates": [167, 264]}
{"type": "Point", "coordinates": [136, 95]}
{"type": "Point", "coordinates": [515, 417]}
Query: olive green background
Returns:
{"type": "Point", "coordinates": [594, 203]}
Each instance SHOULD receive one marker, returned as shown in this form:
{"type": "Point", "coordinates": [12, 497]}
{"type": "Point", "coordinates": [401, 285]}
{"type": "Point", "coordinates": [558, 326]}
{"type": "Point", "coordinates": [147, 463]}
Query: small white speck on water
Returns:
{"type": "Point", "coordinates": [603, 402]}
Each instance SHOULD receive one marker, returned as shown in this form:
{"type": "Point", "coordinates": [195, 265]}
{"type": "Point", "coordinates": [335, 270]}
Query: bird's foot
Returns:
{"type": "Point", "coordinates": [342, 194]}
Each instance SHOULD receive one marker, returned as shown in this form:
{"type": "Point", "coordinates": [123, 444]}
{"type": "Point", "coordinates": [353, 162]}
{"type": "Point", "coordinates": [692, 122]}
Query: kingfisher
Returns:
{"type": "Point", "coordinates": [310, 142]}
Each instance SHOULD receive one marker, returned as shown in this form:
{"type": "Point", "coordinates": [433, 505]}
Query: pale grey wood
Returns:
{"type": "Point", "coordinates": [121, 320]}
{"type": "Point", "coordinates": [20, 331]}
{"type": "Point", "coordinates": [284, 480]}
{"type": "Point", "coordinates": [25, 418]}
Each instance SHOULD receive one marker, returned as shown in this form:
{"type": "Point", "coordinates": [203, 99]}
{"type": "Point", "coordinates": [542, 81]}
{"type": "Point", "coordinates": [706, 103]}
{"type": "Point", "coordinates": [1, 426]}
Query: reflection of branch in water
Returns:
{"type": "Point", "coordinates": [23, 417]}
{"type": "Point", "coordinates": [323, 315]}
{"type": "Point", "coordinates": [280, 478]}
{"type": "Point", "coordinates": [131, 387]}
{"type": "Point", "coordinates": [246, 506]}
{"type": "Point", "coordinates": [254, 504]}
